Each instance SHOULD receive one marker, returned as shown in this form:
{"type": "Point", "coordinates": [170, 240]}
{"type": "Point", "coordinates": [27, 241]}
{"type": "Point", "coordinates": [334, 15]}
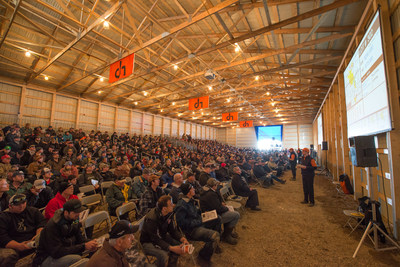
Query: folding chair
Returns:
{"type": "Point", "coordinates": [96, 218]}
{"type": "Point", "coordinates": [232, 195]}
{"type": "Point", "coordinates": [91, 201]}
{"type": "Point", "coordinates": [224, 191]}
{"type": "Point", "coordinates": [104, 186]}
{"type": "Point", "coordinates": [81, 263]}
{"type": "Point", "coordinates": [86, 189]}
{"type": "Point", "coordinates": [121, 210]}
{"type": "Point", "coordinates": [353, 216]}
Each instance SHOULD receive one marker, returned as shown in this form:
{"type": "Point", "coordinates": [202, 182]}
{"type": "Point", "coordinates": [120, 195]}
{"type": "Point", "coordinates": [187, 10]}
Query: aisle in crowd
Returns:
{"type": "Point", "coordinates": [47, 178]}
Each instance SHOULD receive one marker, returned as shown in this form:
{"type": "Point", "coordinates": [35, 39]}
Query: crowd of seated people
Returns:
{"type": "Point", "coordinates": [44, 169]}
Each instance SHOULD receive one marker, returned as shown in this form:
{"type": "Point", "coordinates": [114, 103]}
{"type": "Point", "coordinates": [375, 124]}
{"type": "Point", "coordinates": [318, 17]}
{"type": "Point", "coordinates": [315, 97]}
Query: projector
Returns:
{"type": "Point", "coordinates": [209, 75]}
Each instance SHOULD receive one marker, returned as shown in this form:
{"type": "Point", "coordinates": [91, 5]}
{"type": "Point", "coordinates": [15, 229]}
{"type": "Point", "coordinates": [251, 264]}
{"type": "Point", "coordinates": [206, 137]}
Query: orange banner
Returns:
{"type": "Point", "coordinates": [231, 116]}
{"type": "Point", "coordinates": [121, 69]}
{"type": "Point", "coordinates": [198, 103]}
{"type": "Point", "coordinates": [244, 124]}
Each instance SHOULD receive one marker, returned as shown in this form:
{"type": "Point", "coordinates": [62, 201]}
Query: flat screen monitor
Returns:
{"type": "Point", "coordinates": [366, 91]}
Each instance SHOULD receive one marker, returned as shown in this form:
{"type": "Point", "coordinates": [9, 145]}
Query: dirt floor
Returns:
{"type": "Point", "coordinates": [288, 233]}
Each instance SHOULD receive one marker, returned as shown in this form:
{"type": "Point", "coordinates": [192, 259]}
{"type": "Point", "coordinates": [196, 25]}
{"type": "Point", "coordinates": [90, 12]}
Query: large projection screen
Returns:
{"type": "Point", "coordinates": [365, 85]}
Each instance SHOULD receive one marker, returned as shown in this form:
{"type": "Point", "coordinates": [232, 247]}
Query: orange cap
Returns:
{"type": "Point", "coordinates": [306, 149]}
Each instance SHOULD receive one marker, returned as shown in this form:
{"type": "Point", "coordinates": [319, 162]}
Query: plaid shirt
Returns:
{"type": "Point", "coordinates": [149, 199]}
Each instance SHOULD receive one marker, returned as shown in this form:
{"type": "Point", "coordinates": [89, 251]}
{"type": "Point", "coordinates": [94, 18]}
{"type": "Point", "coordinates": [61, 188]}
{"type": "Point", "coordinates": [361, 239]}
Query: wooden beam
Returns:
{"type": "Point", "coordinates": [108, 13]}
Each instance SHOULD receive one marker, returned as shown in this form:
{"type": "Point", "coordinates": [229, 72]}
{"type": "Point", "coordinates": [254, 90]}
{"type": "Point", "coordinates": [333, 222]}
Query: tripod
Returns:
{"type": "Point", "coordinates": [373, 227]}
{"type": "Point", "coordinates": [325, 171]}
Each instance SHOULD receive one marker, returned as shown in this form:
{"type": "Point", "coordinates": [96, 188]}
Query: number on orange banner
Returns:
{"type": "Point", "coordinates": [231, 116]}
{"type": "Point", "coordinates": [198, 103]}
{"type": "Point", "coordinates": [121, 69]}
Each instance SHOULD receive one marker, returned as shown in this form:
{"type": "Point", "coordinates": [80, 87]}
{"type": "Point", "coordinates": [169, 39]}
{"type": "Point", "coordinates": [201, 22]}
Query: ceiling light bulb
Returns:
{"type": "Point", "coordinates": [202, 113]}
{"type": "Point", "coordinates": [27, 54]}
{"type": "Point", "coordinates": [46, 78]}
{"type": "Point", "coordinates": [175, 67]}
{"type": "Point", "coordinates": [135, 103]}
{"type": "Point", "coordinates": [106, 24]}
{"type": "Point", "coordinates": [249, 115]}
{"type": "Point", "coordinates": [240, 109]}
{"type": "Point", "coordinates": [193, 112]}
{"type": "Point", "coordinates": [257, 78]}
{"type": "Point", "coordinates": [276, 111]}
{"type": "Point", "coordinates": [228, 100]}
{"type": "Point", "coordinates": [214, 118]}
{"type": "Point", "coordinates": [268, 93]}
{"type": "Point", "coordinates": [161, 110]}
{"type": "Point", "coordinates": [102, 79]}
{"type": "Point", "coordinates": [173, 103]}
{"type": "Point", "coordinates": [99, 92]}
{"type": "Point", "coordinates": [273, 104]}
{"type": "Point", "coordinates": [210, 87]}
{"type": "Point", "coordinates": [145, 93]}
{"type": "Point", "coordinates": [237, 49]}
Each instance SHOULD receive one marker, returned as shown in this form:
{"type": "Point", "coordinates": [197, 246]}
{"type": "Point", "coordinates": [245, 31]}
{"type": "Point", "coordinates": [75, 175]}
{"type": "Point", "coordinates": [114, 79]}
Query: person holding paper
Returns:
{"type": "Point", "coordinates": [61, 242]}
{"type": "Point", "coordinates": [19, 226]}
{"type": "Point", "coordinates": [210, 199]}
{"type": "Point", "coordinates": [160, 236]}
{"type": "Point", "coordinates": [188, 217]}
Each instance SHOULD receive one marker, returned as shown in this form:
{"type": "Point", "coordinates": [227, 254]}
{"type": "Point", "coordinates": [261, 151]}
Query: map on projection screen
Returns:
{"type": "Point", "coordinates": [365, 86]}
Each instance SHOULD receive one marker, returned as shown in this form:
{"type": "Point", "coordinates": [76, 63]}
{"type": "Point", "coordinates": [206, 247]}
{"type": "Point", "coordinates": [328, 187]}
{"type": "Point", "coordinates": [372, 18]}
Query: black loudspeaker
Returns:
{"type": "Point", "coordinates": [324, 145]}
{"type": "Point", "coordinates": [311, 146]}
{"type": "Point", "coordinates": [363, 151]}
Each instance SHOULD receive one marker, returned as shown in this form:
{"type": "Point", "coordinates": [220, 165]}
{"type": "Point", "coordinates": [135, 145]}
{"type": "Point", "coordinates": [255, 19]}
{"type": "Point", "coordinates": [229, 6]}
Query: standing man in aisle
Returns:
{"type": "Point", "coordinates": [308, 166]}
{"type": "Point", "coordinates": [293, 163]}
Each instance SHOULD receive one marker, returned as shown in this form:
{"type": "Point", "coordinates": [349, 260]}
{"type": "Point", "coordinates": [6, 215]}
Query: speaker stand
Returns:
{"type": "Point", "coordinates": [373, 227]}
{"type": "Point", "coordinates": [325, 171]}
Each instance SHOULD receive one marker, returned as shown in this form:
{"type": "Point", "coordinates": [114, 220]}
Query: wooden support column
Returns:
{"type": "Point", "coordinates": [98, 117]}
{"type": "Point", "coordinates": [21, 105]}
{"type": "Point", "coordinates": [153, 125]}
{"type": "Point", "coordinates": [170, 127]}
{"type": "Point", "coordinates": [334, 147]}
{"type": "Point", "coordinates": [142, 129]}
{"type": "Point", "coordinates": [77, 115]}
{"type": "Point", "coordinates": [53, 107]}
{"type": "Point", "coordinates": [162, 126]}
{"type": "Point", "coordinates": [343, 123]}
{"type": "Point", "coordinates": [116, 119]}
{"type": "Point", "coordinates": [392, 137]}
{"type": "Point", "coordinates": [130, 122]}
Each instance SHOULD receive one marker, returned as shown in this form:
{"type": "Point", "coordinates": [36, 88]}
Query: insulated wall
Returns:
{"type": "Point", "coordinates": [10, 97]}
{"type": "Point", "coordinates": [39, 107]}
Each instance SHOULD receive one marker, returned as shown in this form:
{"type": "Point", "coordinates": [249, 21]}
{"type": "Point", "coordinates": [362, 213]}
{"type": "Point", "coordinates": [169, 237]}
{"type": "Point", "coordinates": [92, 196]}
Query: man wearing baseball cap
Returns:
{"type": "Point", "coordinates": [18, 185]}
{"type": "Point", "coordinates": [19, 226]}
{"type": "Point", "coordinates": [308, 167]}
{"type": "Point", "coordinates": [113, 252]}
{"type": "Point", "coordinates": [65, 193]}
{"type": "Point", "coordinates": [118, 194]}
{"type": "Point", "coordinates": [5, 165]}
{"type": "Point", "coordinates": [189, 220]}
{"type": "Point", "coordinates": [61, 241]}
{"type": "Point", "coordinates": [39, 195]}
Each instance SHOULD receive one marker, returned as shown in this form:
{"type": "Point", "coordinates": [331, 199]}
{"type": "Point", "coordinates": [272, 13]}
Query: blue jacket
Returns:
{"type": "Point", "coordinates": [188, 216]}
{"type": "Point", "coordinates": [167, 179]}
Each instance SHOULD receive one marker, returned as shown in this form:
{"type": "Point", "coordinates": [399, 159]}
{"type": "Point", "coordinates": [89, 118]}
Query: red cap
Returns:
{"type": "Point", "coordinates": [5, 157]}
{"type": "Point", "coordinates": [306, 149]}
{"type": "Point", "coordinates": [223, 164]}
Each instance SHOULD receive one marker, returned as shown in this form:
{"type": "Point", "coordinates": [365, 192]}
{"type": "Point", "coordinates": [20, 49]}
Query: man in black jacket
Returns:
{"type": "Point", "coordinates": [241, 188]}
{"type": "Point", "coordinates": [210, 199]}
{"type": "Point", "coordinates": [39, 195]}
{"type": "Point", "coordinates": [61, 242]}
{"type": "Point", "coordinates": [205, 175]}
{"type": "Point", "coordinates": [19, 226]}
{"type": "Point", "coordinates": [160, 236]}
